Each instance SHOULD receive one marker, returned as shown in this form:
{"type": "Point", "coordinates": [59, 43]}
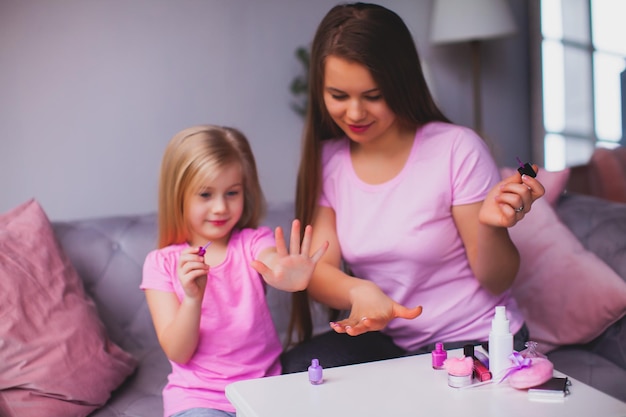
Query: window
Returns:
{"type": "Point", "coordinates": [582, 61]}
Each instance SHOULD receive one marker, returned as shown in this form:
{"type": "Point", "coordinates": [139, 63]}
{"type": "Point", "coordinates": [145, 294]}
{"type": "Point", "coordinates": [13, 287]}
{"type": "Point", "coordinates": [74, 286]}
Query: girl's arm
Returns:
{"type": "Point", "coordinates": [289, 269]}
{"type": "Point", "coordinates": [177, 324]}
{"type": "Point", "coordinates": [483, 227]}
{"type": "Point", "coordinates": [370, 308]}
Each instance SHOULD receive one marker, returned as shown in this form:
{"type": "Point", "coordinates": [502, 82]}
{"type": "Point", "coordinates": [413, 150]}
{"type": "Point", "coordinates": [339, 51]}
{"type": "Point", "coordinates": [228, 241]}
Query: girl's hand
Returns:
{"type": "Point", "coordinates": [192, 273]}
{"type": "Point", "coordinates": [372, 310]}
{"type": "Point", "coordinates": [510, 200]}
{"type": "Point", "coordinates": [290, 270]}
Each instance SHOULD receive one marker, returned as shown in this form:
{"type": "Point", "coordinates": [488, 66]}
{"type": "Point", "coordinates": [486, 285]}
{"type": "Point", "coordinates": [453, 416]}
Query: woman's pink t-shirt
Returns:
{"type": "Point", "coordinates": [238, 339]}
{"type": "Point", "coordinates": [401, 235]}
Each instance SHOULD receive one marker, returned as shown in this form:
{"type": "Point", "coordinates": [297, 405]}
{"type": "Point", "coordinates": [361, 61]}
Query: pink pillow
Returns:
{"type": "Point", "coordinates": [553, 181]}
{"type": "Point", "coordinates": [567, 294]}
{"type": "Point", "coordinates": [55, 356]}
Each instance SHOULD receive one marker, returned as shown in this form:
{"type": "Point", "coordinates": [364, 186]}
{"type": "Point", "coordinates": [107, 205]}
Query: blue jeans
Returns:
{"type": "Point", "coordinates": [204, 412]}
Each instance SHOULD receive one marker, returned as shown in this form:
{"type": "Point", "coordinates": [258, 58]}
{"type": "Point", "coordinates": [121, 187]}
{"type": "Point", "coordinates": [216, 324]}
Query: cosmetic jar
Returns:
{"type": "Point", "coordinates": [459, 381]}
{"type": "Point", "coordinates": [459, 371]}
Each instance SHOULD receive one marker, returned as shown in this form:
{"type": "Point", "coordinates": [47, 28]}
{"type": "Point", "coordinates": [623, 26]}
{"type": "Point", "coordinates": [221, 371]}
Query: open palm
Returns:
{"type": "Point", "coordinates": [290, 269]}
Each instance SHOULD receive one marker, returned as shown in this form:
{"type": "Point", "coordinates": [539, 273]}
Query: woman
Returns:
{"type": "Point", "coordinates": [412, 205]}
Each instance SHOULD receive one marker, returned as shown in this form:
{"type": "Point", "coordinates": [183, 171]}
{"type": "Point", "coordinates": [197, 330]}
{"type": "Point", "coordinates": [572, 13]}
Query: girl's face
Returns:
{"type": "Point", "coordinates": [215, 207]}
{"type": "Point", "coordinates": [355, 103]}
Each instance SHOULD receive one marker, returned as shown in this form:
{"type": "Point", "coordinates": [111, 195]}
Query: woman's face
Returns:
{"type": "Point", "coordinates": [215, 207]}
{"type": "Point", "coordinates": [355, 102]}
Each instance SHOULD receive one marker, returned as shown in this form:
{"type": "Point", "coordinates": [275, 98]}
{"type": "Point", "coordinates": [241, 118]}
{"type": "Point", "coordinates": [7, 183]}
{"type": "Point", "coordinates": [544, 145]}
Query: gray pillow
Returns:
{"type": "Point", "coordinates": [600, 225]}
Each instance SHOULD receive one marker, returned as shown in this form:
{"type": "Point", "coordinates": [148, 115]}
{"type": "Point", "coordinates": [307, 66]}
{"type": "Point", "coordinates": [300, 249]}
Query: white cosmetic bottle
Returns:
{"type": "Point", "coordinates": [500, 344]}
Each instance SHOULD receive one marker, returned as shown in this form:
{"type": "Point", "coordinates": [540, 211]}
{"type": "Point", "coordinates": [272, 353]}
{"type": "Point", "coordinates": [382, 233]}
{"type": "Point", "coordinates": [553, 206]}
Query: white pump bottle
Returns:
{"type": "Point", "coordinates": [500, 344]}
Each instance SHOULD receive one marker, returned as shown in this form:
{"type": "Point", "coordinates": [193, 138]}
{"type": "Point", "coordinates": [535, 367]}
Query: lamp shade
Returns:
{"type": "Point", "coordinates": [464, 21]}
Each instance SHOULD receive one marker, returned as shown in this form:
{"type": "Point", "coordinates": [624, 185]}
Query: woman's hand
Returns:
{"type": "Point", "coordinates": [510, 200]}
{"type": "Point", "coordinates": [192, 273]}
{"type": "Point", "coordinates": [372, 310]}
{"type": "Point", "coordinates": [290, 270]}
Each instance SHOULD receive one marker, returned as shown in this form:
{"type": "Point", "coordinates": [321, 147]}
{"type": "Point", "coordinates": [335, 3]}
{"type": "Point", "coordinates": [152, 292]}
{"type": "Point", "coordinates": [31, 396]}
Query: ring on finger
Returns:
{"type": "Point", "coordinates": [520, 209]}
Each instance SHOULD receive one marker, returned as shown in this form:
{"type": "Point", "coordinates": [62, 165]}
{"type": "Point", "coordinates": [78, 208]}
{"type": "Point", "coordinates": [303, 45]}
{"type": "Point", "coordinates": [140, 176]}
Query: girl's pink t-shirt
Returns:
{"type": "Point", "coordinates": [238, 339]}
{"type": "Point", "coordinates": [401, 235]}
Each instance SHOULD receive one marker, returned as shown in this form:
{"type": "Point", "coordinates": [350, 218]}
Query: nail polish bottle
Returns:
{"type": "Point", "coordinates": [481, 371]}
{"type": "Point", "coordinates": [316, 372]}
{"type": "Point", "coordinates": [438, 356]}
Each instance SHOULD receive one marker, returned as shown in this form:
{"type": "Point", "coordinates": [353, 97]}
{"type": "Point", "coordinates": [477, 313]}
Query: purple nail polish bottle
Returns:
{"type": "Point", "coordinates": [202, 249]}
{"type": "Point", "coordinates": [316, 372]}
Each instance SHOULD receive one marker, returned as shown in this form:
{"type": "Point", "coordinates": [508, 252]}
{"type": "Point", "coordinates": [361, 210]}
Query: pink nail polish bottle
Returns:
{"type": "Point", "coordinates": [316, 372]}
{"type": "Point", "coordinates": [439, 355]}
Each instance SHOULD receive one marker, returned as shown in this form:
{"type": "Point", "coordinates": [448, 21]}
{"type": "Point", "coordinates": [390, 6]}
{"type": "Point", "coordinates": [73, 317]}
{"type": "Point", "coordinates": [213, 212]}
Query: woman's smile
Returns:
{"type": "Point", "coordinates": [359, 128]}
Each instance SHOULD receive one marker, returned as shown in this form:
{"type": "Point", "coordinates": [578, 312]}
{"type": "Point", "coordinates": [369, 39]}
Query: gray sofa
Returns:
{"type": "Point", "coordinates": [600, 225]}
{"type": "Point", "coordinates": [108, 254]}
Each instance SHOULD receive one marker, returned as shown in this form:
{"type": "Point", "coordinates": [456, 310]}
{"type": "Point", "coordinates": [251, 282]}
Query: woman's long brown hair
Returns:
{"type": "Point", "coordinates": [378, 39]}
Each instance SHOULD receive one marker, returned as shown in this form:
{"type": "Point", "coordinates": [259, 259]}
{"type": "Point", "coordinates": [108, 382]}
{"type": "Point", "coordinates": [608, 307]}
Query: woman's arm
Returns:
{"type": "Point", "coordinates": [492, 255]}
{"type": "Point", "coordinates": [370, 308]}
{"type": "Point", "coordinates": [483, 227]}
{"type": "Point", "coordinates": [329, 284]}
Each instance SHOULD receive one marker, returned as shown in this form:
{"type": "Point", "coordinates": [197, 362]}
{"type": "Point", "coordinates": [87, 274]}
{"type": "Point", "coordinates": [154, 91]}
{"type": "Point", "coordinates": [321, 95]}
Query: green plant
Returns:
{"type": "Point", "coordinates": [300, 84]}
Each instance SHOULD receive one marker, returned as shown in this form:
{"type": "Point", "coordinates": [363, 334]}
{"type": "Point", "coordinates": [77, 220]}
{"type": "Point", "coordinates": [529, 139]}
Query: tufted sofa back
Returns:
{"type": "Point", "coordinates": [108, 254]}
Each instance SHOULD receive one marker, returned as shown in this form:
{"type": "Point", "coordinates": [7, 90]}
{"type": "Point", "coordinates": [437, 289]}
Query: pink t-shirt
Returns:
{"type": "Point", "coordinates": [238, 339]}
{"type": "Point", "coordinates": [401, 234]}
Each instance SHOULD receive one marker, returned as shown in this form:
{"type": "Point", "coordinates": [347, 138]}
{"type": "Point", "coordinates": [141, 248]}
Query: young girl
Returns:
{"type": "Point", "coordinates": [208, 305]}
{"type": "Point", "coordinates": [411, 204]}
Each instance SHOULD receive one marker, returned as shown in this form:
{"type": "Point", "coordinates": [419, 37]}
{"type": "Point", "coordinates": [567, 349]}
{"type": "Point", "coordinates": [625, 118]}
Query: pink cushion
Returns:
{"type": "Point", "coordinates": [55, 356]}
{"type": "Point", "coordinates": [607, 174]}
{"type": "Point", "coordinates": [567, 294]}
{"type": "Point", "coordinates": [553, 181]}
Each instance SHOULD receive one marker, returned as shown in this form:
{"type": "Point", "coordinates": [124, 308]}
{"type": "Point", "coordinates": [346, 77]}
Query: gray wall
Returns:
{"type": "Point", "coordinates": [91, 91]}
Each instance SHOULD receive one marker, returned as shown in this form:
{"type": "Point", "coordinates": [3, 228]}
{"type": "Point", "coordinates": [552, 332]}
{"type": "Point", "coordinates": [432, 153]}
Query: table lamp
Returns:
{"type": "Point", "coordinates": [455, 21]}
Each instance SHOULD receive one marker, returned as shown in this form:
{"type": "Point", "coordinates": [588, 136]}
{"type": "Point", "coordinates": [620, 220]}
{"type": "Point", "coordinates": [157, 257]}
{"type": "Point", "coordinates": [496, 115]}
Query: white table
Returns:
{"type": "Point", "coordinates": [405, 387]}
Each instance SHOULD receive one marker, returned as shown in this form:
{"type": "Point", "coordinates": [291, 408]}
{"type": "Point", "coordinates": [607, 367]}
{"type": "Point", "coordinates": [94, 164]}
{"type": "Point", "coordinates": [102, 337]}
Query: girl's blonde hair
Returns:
{"type": "Point", "coordinates": [194, 155]}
